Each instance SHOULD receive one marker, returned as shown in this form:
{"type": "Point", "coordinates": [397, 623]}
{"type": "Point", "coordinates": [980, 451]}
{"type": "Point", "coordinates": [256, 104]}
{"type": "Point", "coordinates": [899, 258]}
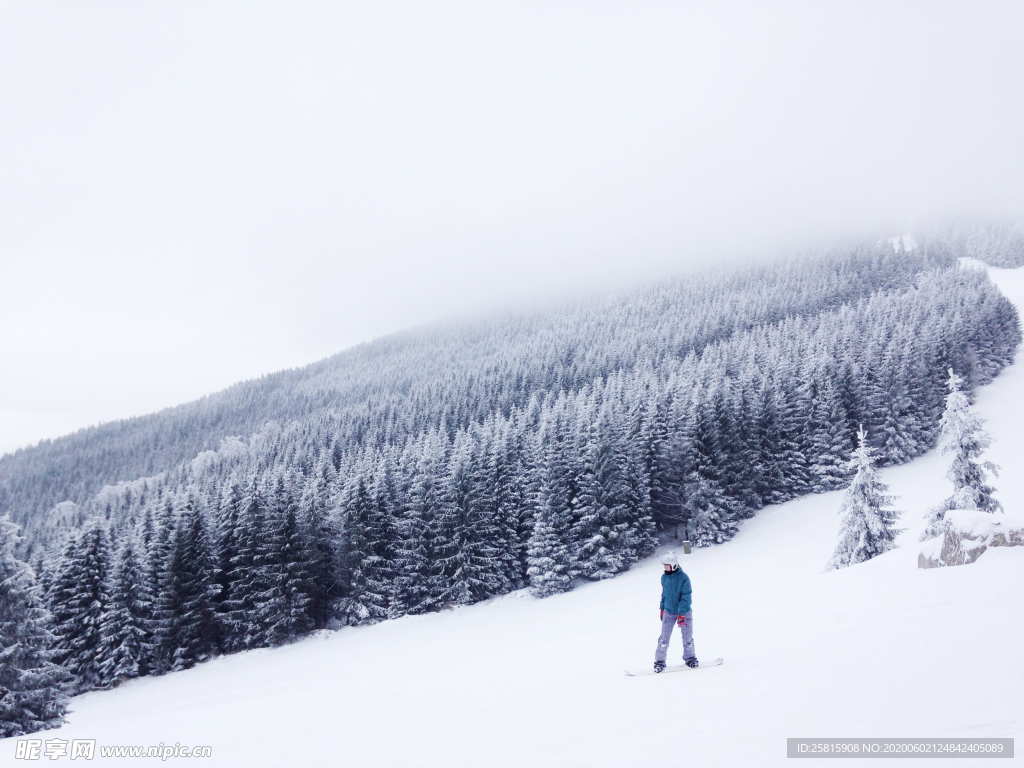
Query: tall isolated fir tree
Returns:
{"type": "Point", "coordinates": [867, 521]}
{"type": "Point", "coordinates": [962, 434]}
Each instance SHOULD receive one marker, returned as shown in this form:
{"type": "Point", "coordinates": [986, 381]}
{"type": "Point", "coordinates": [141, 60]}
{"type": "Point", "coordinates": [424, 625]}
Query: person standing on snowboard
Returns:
{"type": "Point", "coordinates": [675, 610]}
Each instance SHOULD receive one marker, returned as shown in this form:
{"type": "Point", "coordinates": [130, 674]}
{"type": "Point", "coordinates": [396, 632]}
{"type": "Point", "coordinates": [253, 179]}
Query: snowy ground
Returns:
{"type": "Point", "coordinates": [880, 649]}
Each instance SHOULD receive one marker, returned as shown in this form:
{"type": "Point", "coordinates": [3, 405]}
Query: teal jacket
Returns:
{"type": "Point", "coordinates": [675, 592]}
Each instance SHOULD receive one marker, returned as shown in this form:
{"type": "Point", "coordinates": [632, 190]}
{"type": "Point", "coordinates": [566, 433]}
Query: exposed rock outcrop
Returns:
{"type": "Point", "coordinates": [968, 533]}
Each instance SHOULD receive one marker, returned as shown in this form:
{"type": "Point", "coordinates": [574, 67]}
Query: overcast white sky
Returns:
{"type": "Point", "coordinates": [194, 193]}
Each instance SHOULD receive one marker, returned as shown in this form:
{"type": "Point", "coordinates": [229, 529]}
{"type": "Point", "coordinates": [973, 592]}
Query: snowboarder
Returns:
{"type": "Point", "coordinates": [675, 610]}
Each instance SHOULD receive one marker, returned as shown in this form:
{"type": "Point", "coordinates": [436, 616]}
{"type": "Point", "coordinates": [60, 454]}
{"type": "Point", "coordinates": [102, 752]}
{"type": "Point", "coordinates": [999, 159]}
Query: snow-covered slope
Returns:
{"type": "Point", "coordinates": [880, 649]}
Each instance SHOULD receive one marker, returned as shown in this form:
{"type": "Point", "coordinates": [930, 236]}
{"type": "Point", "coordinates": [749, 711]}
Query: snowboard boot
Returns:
{"type": "Point", "coordinates": [691, 662]}
{"type": "Point", "coordinates": [659, 666]}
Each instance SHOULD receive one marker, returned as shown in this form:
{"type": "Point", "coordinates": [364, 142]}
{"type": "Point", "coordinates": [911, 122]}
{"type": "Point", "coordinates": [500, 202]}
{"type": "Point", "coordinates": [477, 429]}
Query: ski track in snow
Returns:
{"type": "Point", "coordinates": [880, 649]}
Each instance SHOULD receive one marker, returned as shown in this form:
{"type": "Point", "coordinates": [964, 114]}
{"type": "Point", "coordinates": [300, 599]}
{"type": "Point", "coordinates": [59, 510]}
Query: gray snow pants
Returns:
{"type": "Point", "coordinates": [667, 623]}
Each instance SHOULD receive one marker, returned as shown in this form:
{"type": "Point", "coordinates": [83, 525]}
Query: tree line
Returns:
{"type": "Point", "coordinates": [295, 529]}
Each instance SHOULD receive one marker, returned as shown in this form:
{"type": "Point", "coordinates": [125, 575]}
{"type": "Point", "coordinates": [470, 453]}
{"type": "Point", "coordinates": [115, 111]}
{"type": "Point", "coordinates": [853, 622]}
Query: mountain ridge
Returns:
{"type": "Point", "coordinates": [148, 444]}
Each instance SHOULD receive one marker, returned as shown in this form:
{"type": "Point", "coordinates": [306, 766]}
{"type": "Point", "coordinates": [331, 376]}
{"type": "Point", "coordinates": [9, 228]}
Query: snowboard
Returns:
{"type": "Point", "coordinates": [674, 668]}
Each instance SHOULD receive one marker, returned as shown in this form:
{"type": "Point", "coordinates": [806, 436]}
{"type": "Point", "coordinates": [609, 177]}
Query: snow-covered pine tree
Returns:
{"type": "Point", "coordinates": [42, 570]}
{"type": "Point", "coordinates": [186, 605]}
{"type": "Point", "coordinates": [366, 585]}
{"type": "Point", "coordinates": [62, 593]}
{"type": "Point", "coordinates": [897, 427]}
{"type": "Point", "coordinates": [504, 492]}
{"type": "Point", "coordinates": [298, 559]}
{"type": "Point", "coordinates": [274, 612]}
{"type": "Point", "coordinates": [848, 379]}
{"type": "Point", "coordinates": [320, 535]}
{"type": "Point", "coordinates": [412, 551]}
{"type": "Point", "coordinates": [962, 433]}
{"type": "Point", "coordinates": [665, 447]}
{"type": "Point", "coordinates": [739, 424]}
{"type": "Point", "coordinates": [713, 513]}
{"type": "Point", "coordinates": [247, 577]}
{"type": "Point", "coordinates": [284, 609]}
{"type": "Point", "coordinates": [641, 530]}
{"type": "Point", "coordinates": [601, 530]}
{"type": "Point", "coordinates": [126, 621]}
{"type": "Point", "coordinates": [830, 441]}
{"type": "Point", "coordinates": [78, 600]}
{"type": "Point", "coordinates": [465, 531]}
{"type": "Point", "coordinates": [550, 566]}
{"type": "Point", "coordinates": [770, 481]}
{"type": "Point", "coordinates": [156, 556]}
{"type": "Point", "coordinates": [225, 549]}
{"type": "Point", "coordinates": [32, 686]}
{"type": "Point", "coordinates": [867, 521]}
{"type": "Point", "coordinates": [591, 532]}
{"type": "Point", "coordinates": [527, 471]}
{"type": "Point", "coordinates": [793, 404]}
{"type": "Point", "coordinates": [548, 555]}
{"type": "Point", "coordinates": [449, 582]}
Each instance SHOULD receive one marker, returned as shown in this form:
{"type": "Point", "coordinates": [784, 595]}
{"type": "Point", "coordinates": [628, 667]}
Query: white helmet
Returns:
{"type": "Point", "coordinates": [671, 558]}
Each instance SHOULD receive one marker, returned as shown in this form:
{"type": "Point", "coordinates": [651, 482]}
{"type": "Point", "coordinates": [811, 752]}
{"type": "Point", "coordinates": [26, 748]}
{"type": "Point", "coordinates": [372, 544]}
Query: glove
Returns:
{"type": "Point", "coordinates": [661, 614]}
{"type": "Point", "coordinates": [681, 621]}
